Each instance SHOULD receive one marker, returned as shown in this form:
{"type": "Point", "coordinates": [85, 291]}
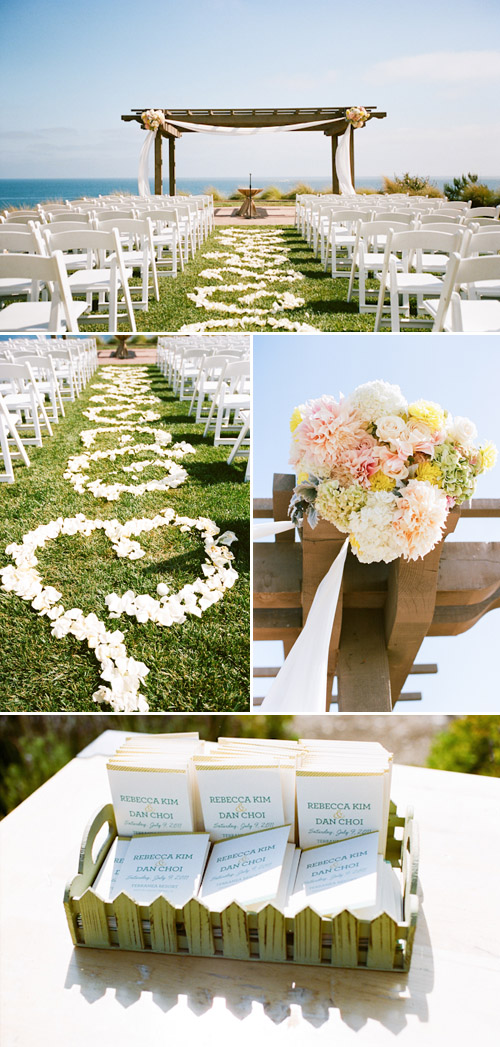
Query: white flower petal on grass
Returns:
{"type": "Point", "coordinates": [124, 674]}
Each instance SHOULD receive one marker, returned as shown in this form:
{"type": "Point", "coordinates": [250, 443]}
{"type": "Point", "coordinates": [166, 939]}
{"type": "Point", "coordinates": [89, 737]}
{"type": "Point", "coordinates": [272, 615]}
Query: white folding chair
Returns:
{"type": "Point", "coordinates": [106, 279]}
{"type": "Point", "coordinates": [20, 393]}
{"type": "Point", "coordinates": [401, 280]}
{"type": "Point", "coordinates": [242, 443]}
{"type": "Point", "coordinates": [166, 237]}
{"type": "Point", "coordinates": [9, 420]}
{"type": "Point", "coordinates": [369, 252]}
{"type": "Point", "coordinates": [59, 314]}
{"type": "Point", "coordinates": [136, 235]}
{"type": "Point", "coordinates": [44, 374]}
{"type": "Point", "coordinates": [232, 396]}
{"type": "Point", "coordinates": [453, 313]}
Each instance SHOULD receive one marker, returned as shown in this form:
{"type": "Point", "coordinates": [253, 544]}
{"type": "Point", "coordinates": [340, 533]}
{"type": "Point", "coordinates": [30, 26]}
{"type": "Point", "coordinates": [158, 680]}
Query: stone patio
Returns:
{"type": "Point", "coordinates": [265, 216]}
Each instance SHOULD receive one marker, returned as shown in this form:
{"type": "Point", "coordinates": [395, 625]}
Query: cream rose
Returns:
{"type": "Point", "coordinates": [463, 432]}
{"type": "Point", "coordinates": [390, 429]}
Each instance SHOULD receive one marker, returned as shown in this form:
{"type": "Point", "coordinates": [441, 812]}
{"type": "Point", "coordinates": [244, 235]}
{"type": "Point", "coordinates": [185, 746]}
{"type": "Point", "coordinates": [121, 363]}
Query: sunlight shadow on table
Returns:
{"type": "Point", "coordinates": [357, 996]}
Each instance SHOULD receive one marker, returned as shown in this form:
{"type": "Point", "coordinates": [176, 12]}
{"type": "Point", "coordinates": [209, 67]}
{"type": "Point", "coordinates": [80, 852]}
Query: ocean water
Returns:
{"type": "Point", "coordinates": [25, 192]}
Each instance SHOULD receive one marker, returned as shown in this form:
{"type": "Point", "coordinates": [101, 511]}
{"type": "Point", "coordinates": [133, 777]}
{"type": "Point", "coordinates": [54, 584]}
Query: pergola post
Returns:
{"type": "Point", "coordinates": [171, 166]}
{"type": "Point", "coordinates": [335, 177]}
{"type": "Point", "coordinates": [158, 165]}
{"type": "Point", "coordinates": [351, 151]}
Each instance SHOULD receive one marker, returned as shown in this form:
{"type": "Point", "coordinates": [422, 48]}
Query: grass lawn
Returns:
{"type": "Point", "coordinates": [325, 307]}
{"type": "Point", "coordinates": [199, 666]}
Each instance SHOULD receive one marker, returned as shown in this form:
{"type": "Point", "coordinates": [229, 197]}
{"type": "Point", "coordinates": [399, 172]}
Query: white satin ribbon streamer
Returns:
{"type": "Point", "coordinates": [300, 686]}
{"type": "Point", "coordinates": [267, 529]}
{"type": "Point", "coordinates": [143, 176]}
{"type": "Point", "coordinates": [343, 163]}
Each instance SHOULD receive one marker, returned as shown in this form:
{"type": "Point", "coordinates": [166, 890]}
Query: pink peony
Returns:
{"type": "Point", "coordinates": [363, 460]}
{"type": "Point", "coordinates": [327, 431]}
{"type": "Point", "coordinates": [420, 518]}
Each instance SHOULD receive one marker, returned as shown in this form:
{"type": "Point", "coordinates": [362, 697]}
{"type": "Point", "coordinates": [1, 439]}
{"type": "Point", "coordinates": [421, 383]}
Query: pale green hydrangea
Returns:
{"type": "Point", "coordinates": [458, 474]}
{"type": "Point", "coordinates": [335, 503]}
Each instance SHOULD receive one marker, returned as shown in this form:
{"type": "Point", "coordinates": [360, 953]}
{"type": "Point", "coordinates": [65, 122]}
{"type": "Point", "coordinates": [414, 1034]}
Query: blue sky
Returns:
{"type": "Point", "coordinates": [461, 373]}
{"type": "Point", "coordinates": [69, 71]}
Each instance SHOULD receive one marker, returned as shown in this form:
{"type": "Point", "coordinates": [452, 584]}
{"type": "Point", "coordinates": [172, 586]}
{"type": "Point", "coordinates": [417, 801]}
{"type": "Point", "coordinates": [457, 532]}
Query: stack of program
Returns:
{"type": "Point", "coordinates": [342, 790]}
{"type": "Point", "coordinates": [151, 782]}
{"type": "Point", "coordinates": [221, 821]}
{"type": "Point", "coordinates": [246, 785]}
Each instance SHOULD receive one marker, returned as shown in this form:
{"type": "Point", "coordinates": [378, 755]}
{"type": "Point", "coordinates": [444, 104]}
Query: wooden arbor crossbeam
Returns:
{"type": "Point", "coordinates": [335, 124]}
{"type": "Point", "coordinates": [385, 610]}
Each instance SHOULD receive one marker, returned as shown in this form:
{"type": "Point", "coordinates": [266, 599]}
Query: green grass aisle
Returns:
{"type": "Point", "coordinates": [199, 665]}
{"type": "Point", "coordinates": [263, 259]}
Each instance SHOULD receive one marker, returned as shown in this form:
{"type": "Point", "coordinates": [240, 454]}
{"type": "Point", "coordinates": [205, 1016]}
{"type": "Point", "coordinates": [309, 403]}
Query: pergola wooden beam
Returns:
{"type": "Point", "coordinates": [386, 610]}
{"type": "Point", "coordinates": [258, 118]}
{"type": "Point", "coordinates": [255, 117]}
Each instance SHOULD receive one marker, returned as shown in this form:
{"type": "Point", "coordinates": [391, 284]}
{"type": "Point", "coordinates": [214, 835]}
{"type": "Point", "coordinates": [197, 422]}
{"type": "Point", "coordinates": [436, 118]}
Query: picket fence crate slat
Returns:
{"type": "Point", "coordinates": [307, 938]}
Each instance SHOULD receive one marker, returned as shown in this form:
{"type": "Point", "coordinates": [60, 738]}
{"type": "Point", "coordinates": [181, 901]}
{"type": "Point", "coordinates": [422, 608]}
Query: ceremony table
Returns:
{"type": "Point", "coordinates": [248, 208]}
{"type": "Point", "coordinates": [52, 993]}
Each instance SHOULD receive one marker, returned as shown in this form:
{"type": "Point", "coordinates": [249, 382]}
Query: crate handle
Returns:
{"type": "Point", "coordinates": [88, 866]}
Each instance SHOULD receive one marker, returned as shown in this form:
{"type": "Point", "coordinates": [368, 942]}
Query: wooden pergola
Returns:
{"type": "Point", "coordinates": [385, 611]}
{"type": "Point", "coordinates": [335, 124]}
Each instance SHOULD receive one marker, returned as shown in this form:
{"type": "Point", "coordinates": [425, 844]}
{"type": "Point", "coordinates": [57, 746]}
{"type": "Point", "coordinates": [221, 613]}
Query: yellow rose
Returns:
{"type": "Point", "coordinates": [430, 413]}
{"type": "Point", "coordinates": [488, 455]}
{"type": "Point", "coordinates": [302, 477]}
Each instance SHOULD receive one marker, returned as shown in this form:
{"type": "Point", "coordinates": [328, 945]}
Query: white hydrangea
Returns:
{"type": "Point", "coordinates": [376, 399]}
{"type": "Point", "coordinates": [372, 531]}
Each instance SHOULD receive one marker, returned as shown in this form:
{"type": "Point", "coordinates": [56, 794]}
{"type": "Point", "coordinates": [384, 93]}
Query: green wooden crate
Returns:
{"type": "Point", "coordinates": [194, 930]}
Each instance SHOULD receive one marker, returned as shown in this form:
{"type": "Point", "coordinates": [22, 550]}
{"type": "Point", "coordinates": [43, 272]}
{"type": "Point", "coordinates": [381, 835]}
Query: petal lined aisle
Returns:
{"type": "Point", "coordinates": [79, 570]}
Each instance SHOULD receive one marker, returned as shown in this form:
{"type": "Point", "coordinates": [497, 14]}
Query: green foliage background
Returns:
{"type": "Point", "coordinates": [33, 748]}
{"type": "Point", "coordinates": [471, 744]}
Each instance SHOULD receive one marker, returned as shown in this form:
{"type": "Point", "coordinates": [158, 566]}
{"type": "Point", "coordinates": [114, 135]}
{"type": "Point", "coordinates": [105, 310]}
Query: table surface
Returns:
{"type": "Point", "coordinates": [52, 993]}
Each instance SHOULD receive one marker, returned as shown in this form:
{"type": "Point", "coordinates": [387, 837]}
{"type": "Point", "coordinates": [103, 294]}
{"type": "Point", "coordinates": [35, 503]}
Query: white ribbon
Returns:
{"type": "Point", "coordinates": [300, 686]}
{"type": "Point", "coordinates": [231, 131]}
{"type": "Point", "coordinates": [343, 163]}
{"type": "Point", "coordinates": [268, 529]}
{"type": "Point", "coordinates": [143, 177]}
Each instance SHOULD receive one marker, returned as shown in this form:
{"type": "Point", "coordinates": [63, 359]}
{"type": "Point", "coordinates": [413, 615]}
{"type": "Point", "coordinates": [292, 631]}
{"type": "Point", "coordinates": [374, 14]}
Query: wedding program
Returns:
{"type": "Point", "coordinates": [252, 821]}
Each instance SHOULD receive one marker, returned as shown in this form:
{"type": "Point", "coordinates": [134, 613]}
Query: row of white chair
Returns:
{"type": "Point", "coordinates": [36, 377]}
{"type": "Point", "coordinates": [94, 253]}
{"type": "Point", "coordinates": [414, 255]}
{"type": "Point", "coordinates": [213, 374]}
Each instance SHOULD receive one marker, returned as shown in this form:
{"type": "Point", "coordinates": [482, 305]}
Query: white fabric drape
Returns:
{"type": "Point", "coordinates": [268, 529]}
{"type": "Point", "coordinates": [232, 131]}
{"type": "Point", "coordinates": [343, 163]}
{"type": "Point", "coordinates": [143, 176]}
{"type": "Point", "coordinates": [300, 686]}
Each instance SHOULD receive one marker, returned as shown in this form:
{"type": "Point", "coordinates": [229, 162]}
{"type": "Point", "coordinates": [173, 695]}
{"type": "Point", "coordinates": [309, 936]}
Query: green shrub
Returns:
{"type": "Point", "coordinates": [301, 187]}
{"type": "Point", "coordinates": [271, 192]}
{"type": "Point", "coordinates": [414, 185]}
{"type": "Point", "coordinates": [470, 744]}
{"type": "Point", "coordinates": [454, 190]}
{"type": "Point", "coordinates": [211, 190]}
{"type": "Point", "coordinates": [481, 195]}
{"type": "Point", "coordinates": [468, 187]}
